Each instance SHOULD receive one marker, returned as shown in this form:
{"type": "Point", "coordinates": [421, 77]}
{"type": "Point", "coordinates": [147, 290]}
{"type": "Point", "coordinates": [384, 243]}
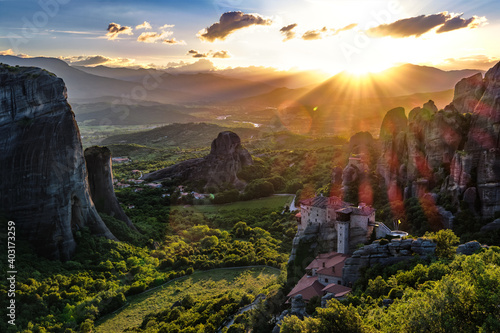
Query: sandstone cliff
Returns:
{"type": "Point", "coordinates": [43, 179]}
{"type": "Point", "coordinates": [227, 157]}
{"type": "Point", "coordinates": [100, 175]}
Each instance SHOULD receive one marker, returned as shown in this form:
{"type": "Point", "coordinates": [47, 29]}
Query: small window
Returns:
{"type": "Point", "coordinates": [339, 282]}
{"type": "Point", "coordinates": [326, 280]}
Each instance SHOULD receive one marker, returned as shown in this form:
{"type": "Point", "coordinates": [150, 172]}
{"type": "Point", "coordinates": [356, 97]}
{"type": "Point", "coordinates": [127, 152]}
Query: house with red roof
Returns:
{"type": "Point", "coordinates": [323, 276]}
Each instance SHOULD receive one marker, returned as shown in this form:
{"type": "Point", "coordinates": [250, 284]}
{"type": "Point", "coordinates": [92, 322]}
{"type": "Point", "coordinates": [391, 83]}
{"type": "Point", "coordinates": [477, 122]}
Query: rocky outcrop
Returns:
{"type": "Point", "coordinates": [478, 164]}
{"type": "Point", "coordinates": [491, 227]}
{"type": "Point", "coordinates": [361, 148]}
{"type": "Point", "coordinates": [227, 157]}
{"type": "Point", "coordinates": [43, 179]}
{"type": "Point", "coordinates": [467, 94]}
{"type": "Point", "coordinates": [394, 150]}
{"type": "Point", "coordinates": [470, 248]}
{"type": "Point", "coordinates": [385, 254]}
{"type": "Point", "coordinates": [100, 175]}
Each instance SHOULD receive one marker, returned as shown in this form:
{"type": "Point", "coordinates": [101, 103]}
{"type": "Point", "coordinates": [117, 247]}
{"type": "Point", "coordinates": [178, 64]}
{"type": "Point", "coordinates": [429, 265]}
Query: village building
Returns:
{"type": "Point", "coordinates": [323, 276]}
{"type": "Point", "coordinates": [352, 225]}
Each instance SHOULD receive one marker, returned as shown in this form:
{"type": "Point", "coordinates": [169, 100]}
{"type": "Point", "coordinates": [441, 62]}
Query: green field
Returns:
{"type": "Point", "coordinates": [275, 201]}
{"type": "Point", "coordinates": [200, 285]}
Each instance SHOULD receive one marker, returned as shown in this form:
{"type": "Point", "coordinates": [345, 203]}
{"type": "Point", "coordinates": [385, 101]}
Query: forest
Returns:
{"type": "Point", "coordinates": [175, 240]}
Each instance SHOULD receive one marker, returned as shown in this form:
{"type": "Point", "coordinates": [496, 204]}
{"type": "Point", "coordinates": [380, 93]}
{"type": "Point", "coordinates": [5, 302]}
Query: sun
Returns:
{"type": "Point", "coordinates": [361, 69]}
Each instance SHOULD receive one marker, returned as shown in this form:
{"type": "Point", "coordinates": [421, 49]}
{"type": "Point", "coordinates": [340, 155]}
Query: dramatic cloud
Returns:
{"type": "Point", "coordinates": [458, 22]}
{"type": "Point", "coordinates": [145, 25]}
{"type": "Point", "coordinates": [174, 41]}
{"type": "Point", "coordinates": [419, 25]}
{"type": "Point", "coordinates": [230, 22]}
{"type": "Point", "coordinates": [481, 62]}
{"type": "Point", "coordinates": [97, 60]}
{"type": "Point", "coordinates": [217, 54]}
{"type": "Point", "coordinates": [197, 54]}
{"type": "Point", "coordinates": [287, 31]}
{"type": "Point", "coordinates": [314, 34]}
{"type": "Point", "coordinates": [153, 37]}
{"type": "Point", "coordinates": [114, 29]}
{"type": "Point", "coordinates": [221, 54]}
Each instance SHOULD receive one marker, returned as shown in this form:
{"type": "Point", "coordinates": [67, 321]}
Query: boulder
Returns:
{"type": "Point", "coordinates": [491, 227]}
{"type": "Point", "coordinates": [469, 248]}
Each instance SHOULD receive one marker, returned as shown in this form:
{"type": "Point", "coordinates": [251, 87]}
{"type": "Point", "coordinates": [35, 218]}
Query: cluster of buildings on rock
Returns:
{"type": "Point", "coordinates": [348, 226]}
{"type": "Point", "coordinates": [352, 225]}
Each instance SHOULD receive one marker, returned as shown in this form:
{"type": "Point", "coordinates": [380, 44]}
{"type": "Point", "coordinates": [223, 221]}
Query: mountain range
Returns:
{"type": "Point", "coordinates": [127, 96]}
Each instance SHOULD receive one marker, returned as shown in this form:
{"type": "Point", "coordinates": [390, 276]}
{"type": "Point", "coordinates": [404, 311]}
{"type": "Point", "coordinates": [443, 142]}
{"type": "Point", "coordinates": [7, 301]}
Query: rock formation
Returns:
{"type": "Point", "coordinates": [100, 177]}
{"type": "Point", "coordinates": [227, 157]}
{"type": "Point", "coordinates": [470, 248]}
{"type": "Point", "coordinates": [355, 176]}
{"type": "Point", "coordinates": [385, 254]}
{"type": "Point", "coordinates": [477, 166]}
{"type": "Point", "coordinates": [43, 179]}
{"type": "Point", "coordinates": [457, 148]}
{"type": "Point", "coordinates": [394, 150]}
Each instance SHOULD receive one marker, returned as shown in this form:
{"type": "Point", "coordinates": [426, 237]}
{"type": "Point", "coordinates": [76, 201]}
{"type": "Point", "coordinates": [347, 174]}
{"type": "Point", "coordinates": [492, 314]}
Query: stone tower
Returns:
{"type": "Point", "coordinates": [343, 237]}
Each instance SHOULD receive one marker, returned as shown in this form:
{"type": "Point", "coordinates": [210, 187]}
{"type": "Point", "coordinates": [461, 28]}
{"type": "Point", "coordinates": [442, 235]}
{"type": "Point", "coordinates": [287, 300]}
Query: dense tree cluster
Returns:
{"type": "Point", "coordinates": [457, 294]}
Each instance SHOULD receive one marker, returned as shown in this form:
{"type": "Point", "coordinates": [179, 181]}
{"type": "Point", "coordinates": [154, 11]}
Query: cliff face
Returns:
{"type": "Point", "coordinates": [476, 169]}
{"type": "Point", "coordinates": [100, 175]}
{"type": "Point", "coordinates": [43, 178]}
{"type": "Point", "coordinates": [227, 157]}
{"type": "Point", "coordinates": [462, 141]}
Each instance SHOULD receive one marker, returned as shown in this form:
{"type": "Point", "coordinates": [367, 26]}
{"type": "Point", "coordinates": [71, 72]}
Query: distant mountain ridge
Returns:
{"type": "Point", "coordinates": [143, 85]}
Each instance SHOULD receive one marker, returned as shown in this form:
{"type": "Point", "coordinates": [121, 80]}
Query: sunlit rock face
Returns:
{"type": "Point", "coordinates": [394, 150]}
{"type": "Point", "coordinates": [458, 147]}
{"type": "Point", "coordinates": [227, 157]}
{"type": "Point", "coordinates": [479, 163]}
{"type": "Point", "coordinates": [100, 175]}
{"type": "Point", "coordinates": [43, 178]}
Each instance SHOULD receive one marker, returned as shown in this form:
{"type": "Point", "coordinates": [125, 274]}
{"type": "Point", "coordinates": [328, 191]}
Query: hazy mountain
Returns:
{"type": "Point", "coordinates": [287, 79]}
{"type": "Point", "coordinates": [342, 88]}
{"type": "Point", "coordinates": [397, 81]}
{"type": "Point", "coordinates": [210, 87]}
{"type": "Point", "coordinates": [82, 85]}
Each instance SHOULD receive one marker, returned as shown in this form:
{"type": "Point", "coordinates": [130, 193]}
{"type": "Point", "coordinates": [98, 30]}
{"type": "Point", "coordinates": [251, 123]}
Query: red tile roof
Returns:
{"type": "Point", "coordinates": [335, 270]}
{"type": "Point", "coordinates": [336, 289]}
{"type": "Point", "coordinates": [329, 260]}
{"type": "Point", "coordinates": [308, 287]}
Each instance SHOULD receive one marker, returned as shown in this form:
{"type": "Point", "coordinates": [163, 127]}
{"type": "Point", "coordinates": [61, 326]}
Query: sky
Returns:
{"type": "Point", "coordinates": [328, 35]}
